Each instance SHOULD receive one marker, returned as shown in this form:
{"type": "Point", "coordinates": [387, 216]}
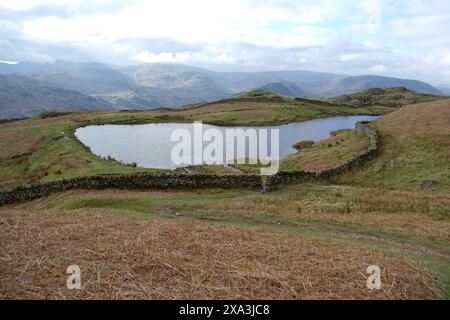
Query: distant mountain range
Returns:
{"type": "Point", "coordinates": [30, 88]}
{"type": "Point", "coordinates": [21, 96]}
{"type": "Point", "coordinates": [285, 88]}
{"type": "Point", "coordinates": [444, 90]}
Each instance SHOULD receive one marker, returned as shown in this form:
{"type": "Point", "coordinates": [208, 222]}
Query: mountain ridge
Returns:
{"type": "Point", "coordinates": [148, 86]}
{"type": "Point", "coordinates": [285, 88]}
{"type": "Point", "coordinates": [171, 76]}
{"type": "Point", "coordinates": [21, 96]}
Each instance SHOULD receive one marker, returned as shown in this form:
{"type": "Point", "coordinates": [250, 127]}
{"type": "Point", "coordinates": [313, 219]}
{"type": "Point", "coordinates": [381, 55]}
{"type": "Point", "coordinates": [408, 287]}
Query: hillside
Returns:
{"type": "Point", "coordinates": [84, 77]}
{"type": "Point", "coordinates": [285, 88]}
{"type": "Point", "coordinates": [143, 98]}
{"type": "Point", "coordinates": [165, 76]}
{"type": "Point", "coordinates": [21, 96]}
{"type": "Point", "coordinates": [389, 97]}
{"type": "Point", "coordinates": [415, 148]}
{"type": "Point", "coordinates": [259, 107]}
{"type": "Point", "coordinates": [304, 238]}
{"type": "Point", "coordinates": [360, 83]}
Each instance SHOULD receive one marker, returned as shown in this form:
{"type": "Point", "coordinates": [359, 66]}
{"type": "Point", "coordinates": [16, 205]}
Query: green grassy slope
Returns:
{"type": "Point", "coordinates": [263, 108]}
{"type": "Point", "coordinates": [340, 147]}
{"type": "Point", "coordinates": [389, 97]}
{"type": "Point", "coordinates": [415, 146]}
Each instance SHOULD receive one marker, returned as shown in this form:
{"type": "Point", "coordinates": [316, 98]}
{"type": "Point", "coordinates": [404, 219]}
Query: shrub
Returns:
{"type": "Point", "coordinates": [303, 144]}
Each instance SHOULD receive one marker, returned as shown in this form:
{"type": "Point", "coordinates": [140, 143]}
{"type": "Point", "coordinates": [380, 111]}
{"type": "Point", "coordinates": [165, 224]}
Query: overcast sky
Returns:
{"type": "Point", "coordinates": [399, 38]}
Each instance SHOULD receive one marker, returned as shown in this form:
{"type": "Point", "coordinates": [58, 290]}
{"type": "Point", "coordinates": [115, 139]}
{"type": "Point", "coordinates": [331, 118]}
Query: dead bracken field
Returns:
{"type": "Point", "coordinates": [125, 257]}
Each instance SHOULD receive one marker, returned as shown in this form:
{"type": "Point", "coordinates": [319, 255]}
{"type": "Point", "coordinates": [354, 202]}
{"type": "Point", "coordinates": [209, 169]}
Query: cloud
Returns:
{"type": "Point", "coordinates": [405, 39]}
{"type": "Point", "coordinates": [378, 68]}
{"type": "Point", "coordinates": [349, 57]}
{"type": "Point", "coordinates": [184, 57]}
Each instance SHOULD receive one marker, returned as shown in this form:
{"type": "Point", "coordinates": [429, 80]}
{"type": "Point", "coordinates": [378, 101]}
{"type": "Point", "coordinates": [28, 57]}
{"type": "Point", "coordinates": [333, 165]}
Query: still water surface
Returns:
{"type": "Point", "coordinates": [150, 145]}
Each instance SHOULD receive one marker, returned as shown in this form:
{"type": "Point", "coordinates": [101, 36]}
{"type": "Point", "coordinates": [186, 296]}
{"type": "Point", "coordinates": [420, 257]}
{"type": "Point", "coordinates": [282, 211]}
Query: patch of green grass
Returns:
{"type": "Point", "coordinates": [139, 205]}
{"type": "Point", "coordinates": [149, 205]}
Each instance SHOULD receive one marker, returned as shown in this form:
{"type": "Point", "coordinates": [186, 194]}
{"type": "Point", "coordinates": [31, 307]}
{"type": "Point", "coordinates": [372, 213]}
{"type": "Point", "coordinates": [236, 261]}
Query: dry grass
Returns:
{"type": "Point", "coordinates": [127, 258]}
{"type": "Point", "coordinates": [423, 118]}
{"type": "Point", "coordinates": [401, 223]}
{"type": "Point", "coordinates": [10, 150]}
{"type": "Point", "coordinates": [222, 107]}
{"type": "Point", "coordinates": [409, 213]}
{"type": "Point", "coordinates": [340, 147]}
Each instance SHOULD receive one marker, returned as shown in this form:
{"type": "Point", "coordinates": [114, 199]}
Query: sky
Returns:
{"type": "Point", "coordinates": [407, 39]}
